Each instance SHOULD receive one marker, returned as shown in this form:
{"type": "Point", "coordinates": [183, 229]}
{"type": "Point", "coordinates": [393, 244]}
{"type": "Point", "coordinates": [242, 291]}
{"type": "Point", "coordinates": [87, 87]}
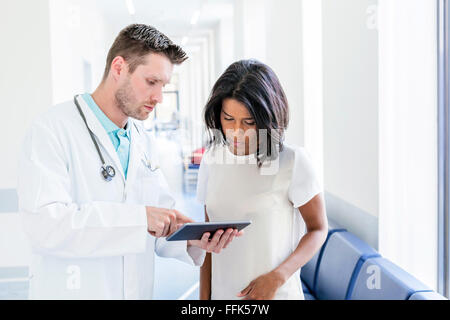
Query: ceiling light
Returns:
{"type": "Point", "coordinates": [130, 7]}
{"type": "Point", "coordinates": [195, 17]}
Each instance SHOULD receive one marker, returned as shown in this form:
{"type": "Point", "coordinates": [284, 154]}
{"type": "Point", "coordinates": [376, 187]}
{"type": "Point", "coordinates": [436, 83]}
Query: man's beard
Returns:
{"type": "Point", "coordinates": [126, 102]}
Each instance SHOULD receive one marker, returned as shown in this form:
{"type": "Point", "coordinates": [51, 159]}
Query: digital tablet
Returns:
{"type": "Point", "coordinates": [195, 230]}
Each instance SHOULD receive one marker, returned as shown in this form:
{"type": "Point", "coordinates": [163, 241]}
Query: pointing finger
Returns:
{"type": "Point", "coordinates": [181, 218]}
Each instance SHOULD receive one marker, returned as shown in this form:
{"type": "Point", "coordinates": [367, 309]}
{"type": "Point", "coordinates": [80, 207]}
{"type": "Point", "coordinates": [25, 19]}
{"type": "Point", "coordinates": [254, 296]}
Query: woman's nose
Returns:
{"type": "Point", "coordinates": [237, 130]}
{"type": "Point", "coordinates": [237, 127]}
{"type": "Point", "coordinates": [239, 133]}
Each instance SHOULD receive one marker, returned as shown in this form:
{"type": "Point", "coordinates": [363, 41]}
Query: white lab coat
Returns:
{"type": "Point", "coordinates": [89, 236]}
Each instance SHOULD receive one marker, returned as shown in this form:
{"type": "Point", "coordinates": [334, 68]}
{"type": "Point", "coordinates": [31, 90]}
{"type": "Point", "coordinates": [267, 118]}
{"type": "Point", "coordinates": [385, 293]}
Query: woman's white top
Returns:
{"type": "Point", "coordinates": [234, 188]}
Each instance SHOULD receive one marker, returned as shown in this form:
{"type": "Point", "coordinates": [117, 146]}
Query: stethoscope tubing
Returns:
{"type": "Point", "coordinates": [107, 171]}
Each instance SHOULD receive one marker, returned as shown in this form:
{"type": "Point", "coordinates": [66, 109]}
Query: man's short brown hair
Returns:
{"type": "Point", "coordinates": [135, 41]}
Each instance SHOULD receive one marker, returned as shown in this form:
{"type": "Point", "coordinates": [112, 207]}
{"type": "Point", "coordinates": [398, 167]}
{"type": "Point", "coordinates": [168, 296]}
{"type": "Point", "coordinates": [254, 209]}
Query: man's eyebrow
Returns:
{"type": "Point", "coordinates": [157, 79]}
{"type": "Point", "coordinates": [154, 78]}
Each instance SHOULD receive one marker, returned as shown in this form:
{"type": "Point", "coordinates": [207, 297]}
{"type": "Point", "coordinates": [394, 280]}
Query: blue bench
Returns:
{"type": "Point", "coordinates": [347, 268]}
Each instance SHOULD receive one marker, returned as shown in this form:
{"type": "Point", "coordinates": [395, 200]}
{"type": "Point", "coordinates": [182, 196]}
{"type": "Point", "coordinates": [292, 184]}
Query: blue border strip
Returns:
{"type": "Point", "coordinates": [443, 147]}
{"type": "Point", "coordinates": [356, 271]}
{"type": "Point", "coordinates": [319, 259]}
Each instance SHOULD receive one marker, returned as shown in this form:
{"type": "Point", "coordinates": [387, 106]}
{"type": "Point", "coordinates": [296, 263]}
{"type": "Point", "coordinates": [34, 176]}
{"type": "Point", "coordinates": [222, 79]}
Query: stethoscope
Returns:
{"type": "Point", "coordinates": [107, 171]}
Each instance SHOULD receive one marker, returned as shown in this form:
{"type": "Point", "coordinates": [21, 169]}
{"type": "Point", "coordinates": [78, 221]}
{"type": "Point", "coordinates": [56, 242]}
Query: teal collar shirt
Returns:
{"type": "Point", "coordinates": [120, 138]}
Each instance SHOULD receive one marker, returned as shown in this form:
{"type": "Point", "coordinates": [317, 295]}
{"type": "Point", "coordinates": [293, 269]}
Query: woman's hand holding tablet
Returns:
{"type": "Point", "coordinates": [199, 234]}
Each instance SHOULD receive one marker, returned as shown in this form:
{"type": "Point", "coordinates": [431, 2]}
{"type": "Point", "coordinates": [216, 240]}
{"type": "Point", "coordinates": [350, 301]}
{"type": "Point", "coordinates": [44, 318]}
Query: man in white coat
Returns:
{"type": "Point", "coordinates": [94, 234]}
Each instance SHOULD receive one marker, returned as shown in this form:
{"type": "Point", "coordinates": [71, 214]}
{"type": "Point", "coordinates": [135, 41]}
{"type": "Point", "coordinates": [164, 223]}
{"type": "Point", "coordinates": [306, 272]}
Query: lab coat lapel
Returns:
{"type": "Point", "coordinates": [103, 138]}
{"type": "Point", "coordinates": [136, 152]}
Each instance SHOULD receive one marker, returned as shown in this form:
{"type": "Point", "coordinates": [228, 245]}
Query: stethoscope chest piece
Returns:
{"type": "Point", "coordinates": [108, 172]}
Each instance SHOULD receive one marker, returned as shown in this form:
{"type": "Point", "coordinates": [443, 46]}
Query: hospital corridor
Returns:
{"type": "Point", "coordinates": [354, 94]}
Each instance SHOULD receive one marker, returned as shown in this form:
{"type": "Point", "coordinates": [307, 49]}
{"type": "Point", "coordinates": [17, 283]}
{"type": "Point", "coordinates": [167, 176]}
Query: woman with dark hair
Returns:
{"type": "Point", "coordinates": [249, 173]}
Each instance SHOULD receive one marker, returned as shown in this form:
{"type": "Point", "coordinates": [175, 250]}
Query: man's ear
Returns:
{"type": "Point", "coordinates": [118, 66]}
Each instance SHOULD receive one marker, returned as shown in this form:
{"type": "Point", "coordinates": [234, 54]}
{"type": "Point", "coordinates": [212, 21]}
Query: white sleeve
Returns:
{"type": "Point", "coordinates": [180, 251]}
{"type": "Point", "coordinates": [202, 180]}
{"type": "Point", "coordinates": [304, 184]}
{"type": "Point", "coordinates": [54, 223]}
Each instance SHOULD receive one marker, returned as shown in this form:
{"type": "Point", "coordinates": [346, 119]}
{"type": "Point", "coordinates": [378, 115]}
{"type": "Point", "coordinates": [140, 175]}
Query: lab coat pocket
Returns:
{"type": "Point", "coordinates": [150, 186]}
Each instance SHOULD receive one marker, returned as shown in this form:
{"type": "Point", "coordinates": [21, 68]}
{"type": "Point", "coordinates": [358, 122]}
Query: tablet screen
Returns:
{"type": "Point", "coordinates": [195, 231]}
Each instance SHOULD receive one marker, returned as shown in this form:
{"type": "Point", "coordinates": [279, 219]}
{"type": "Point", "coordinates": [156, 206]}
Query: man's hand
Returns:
{"type": "Point", "coordinates": [219, 241]}
{"type": "Point", "coordinates": [163, 222]}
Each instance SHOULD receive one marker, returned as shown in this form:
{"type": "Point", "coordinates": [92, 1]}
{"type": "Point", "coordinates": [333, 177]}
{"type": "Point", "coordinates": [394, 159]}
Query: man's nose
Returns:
{"type": "Point", "coordinates": [157, 97]}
